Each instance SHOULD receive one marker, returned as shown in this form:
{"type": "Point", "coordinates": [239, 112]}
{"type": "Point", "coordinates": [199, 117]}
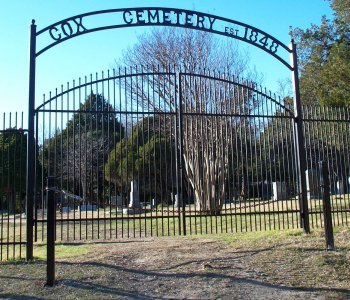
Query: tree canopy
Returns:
{"type": "Point", "coordinates": [146, 155]}
{"type": "Point", "coordinates": [324, 58]}
{"type": "Point", "coordinates": [76, 155]}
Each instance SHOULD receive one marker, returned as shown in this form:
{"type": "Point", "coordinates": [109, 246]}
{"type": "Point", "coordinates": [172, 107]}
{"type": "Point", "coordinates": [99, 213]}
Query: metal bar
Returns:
{"type": "Point", "coordinates": [51, 229]}
{"type": "Point", "coordinates": [2, 184]}
{"type": "Point", "coordinates": [181, 158]}
{"type": "Point", "coordinates": [304, 210]}
{"type": "Point", "coordinates": [327, 210]}
{"type": "Point", "coordinates": [21, 188]}
{"type": "Point", "coordinates": [31, 144]}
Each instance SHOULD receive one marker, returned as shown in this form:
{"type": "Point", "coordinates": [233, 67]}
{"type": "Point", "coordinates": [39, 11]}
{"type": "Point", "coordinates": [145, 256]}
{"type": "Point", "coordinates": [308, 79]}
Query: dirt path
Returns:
{"type": "Point", "coordinates": [182, 268]}
{"type": "Point", "coordinates": [162, 268]}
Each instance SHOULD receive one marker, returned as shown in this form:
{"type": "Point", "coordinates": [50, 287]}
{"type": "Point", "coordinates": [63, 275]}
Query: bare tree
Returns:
{"type": "Point", "coordinates": [77, 154]}
{"type": "Point", "coordinates": [207, 138]}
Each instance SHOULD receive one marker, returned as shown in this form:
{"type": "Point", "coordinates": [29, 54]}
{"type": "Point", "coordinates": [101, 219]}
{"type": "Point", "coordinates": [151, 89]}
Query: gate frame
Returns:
{"type": "Point", "coordinates": [67, 31]}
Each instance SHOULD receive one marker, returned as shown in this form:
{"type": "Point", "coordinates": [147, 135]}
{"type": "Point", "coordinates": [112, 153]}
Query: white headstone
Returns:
{"type": "Point", "coordinates": [154, 202]}
{"type": "Point", "coordinates": [176, 202]}
{"type": "Point", "coordinates": [312, 184]}
{"type": "Point", "coordinates": [134, 195]}
{"type": "Point", "coordinates": [279, 190]}
{"type": "Point", "coordinates": [341, 187]}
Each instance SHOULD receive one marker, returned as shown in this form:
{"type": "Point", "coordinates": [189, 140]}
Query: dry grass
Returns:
{"type": "Point", "coordinates": [259, 265]}
{"type": "Point", "coordinates": [294, 259]}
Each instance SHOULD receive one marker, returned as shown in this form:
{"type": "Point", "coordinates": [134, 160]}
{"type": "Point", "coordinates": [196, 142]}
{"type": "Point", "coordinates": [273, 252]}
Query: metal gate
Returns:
{"type": "Point", "coordinates": [219, 169]}
{"type": "Point", "coordinates": [150, 152]}
{"type": "Point", "coordinates": [147, 152]}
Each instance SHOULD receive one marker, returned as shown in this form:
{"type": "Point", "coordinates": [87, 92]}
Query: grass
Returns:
{"type": "Point", "coordinates": [263, 217]}
{"type": "Point", "coordinates": [292, 258]}
{"type": "Point", "coordinates": [63, 250]}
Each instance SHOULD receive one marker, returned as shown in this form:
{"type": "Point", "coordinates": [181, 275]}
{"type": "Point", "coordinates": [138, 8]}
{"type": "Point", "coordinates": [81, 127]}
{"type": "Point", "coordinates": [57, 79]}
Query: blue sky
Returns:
{"type": "Point", "coordinates": [98, 51]}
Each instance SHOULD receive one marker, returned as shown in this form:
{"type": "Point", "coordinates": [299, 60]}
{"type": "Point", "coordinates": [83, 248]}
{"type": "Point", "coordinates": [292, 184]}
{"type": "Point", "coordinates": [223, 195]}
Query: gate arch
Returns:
{"type": "Point", "coordinates": [158, 16]}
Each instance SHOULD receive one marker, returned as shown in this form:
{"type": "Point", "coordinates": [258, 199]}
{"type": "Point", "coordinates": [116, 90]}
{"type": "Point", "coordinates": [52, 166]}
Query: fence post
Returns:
{"type": "Point", "coordinates": [299, 143]}
{"type": "Point", "coordinates": [180, 162]}
{"type": "Point", "coordinates": [51, 226]}
{"type": "Point", "coordinates": [31, 145]}
{"type": "Point", "coordinates": [327, 210]}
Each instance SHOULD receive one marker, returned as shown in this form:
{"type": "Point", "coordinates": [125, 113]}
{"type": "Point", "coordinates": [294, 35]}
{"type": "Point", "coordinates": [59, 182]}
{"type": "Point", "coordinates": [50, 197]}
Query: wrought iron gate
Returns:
{"type": "Point", "coordinates": [143, 152]}
{"type": "Point", "coordinates": [53, 137]}
{"type": "Point", "coordinates": [205, 153]}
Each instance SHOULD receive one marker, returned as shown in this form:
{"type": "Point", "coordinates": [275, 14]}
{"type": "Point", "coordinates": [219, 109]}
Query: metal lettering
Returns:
{"type": "Point", "coordinates": [130, 19]}
{"type": "Point", "coordinates": [170, 17]}
{"type": "Point", "coordinates": [79, 24]}
{"type": "Point", "coordinates": [211, 22]}
{"type": "Point", "coordinates": [274, 47]}
{"type": "Point", "coordinates": [153, 18]}
{"type": "Point", "coordinates": [255, 38]}
{"type": "Point", "coordinates": [56, 38]}
{"type": "Point", "coordinates": [231, 31]}
{"type": "Point", "coordinates": [177, 18]}
{"type": "Point", "coordinates": [200, 22]}
{"type": "Point", "coordinates": [189, 20]}
{"type": "Point", "coordinates": [140, 16]}
{"type": "Point", "coordinates": [64, 26]}
{"type": "Point", "coordinates": [167, 16]}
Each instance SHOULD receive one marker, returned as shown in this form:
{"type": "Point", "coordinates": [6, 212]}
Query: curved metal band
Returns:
{"type": "Point", "coordinates": [226, 79]}
{"type": "Point", "coordinates": [160, 16]}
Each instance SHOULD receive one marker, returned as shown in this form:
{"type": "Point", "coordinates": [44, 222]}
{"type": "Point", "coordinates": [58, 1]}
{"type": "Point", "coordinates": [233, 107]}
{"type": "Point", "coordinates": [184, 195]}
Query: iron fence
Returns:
{"type": "Point", "coordinates": [327, 136]}
{"type": "Point", "coordinates": [13, 147]}
{"type": "Point", "coordinates": [158, 152]}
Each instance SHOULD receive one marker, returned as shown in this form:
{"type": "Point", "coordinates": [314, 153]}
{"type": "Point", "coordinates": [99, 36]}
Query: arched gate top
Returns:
{"type": "Point", "coordinates": [130, 73]}
{"type": "Point", "coordinates": [160, 16]}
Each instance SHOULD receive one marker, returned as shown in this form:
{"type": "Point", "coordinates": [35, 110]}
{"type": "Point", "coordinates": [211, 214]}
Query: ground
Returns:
{"type": "Point", "coordinates": [270, 265]}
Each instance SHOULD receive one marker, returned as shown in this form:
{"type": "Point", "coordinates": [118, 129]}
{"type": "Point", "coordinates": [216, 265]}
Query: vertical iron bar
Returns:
{"type": "Point", "coordinates": [9, 194]}
{"type": "Point", "coordinates": [31, 143]}
{"type": "Point", "coordinates": [21, 188]}
{"type": "Point", "coordinates": [2, 169]}
{"type": "Point", "coordinates": [327, 210]}
{"type": "Point", "coordinates": [180, 161]}
{"type": "Point", "coordinates": [50, 265]}
{"type": "Point", "coordinates": [304, 211]}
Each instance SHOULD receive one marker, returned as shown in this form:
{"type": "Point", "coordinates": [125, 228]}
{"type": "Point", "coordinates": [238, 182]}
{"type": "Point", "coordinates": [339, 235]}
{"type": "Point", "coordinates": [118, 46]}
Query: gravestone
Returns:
{"type": "Point", "coordinates": [312, 184]}
{"type": "Point", "coordinates": [265, 190]}
{"type": "Point", "coordinates": [177, 203]}
{"type": "Point", "coordinates": [279, 190]}
{"type": "Point", "coordinates": [342, 187]}
{"type": "Point", "coordinates": [65, 209]}
{"type": "Point", "coordinates": [118, 202]}
{"type": "Point", "coordinates": [134, 195]}
{"type": "Point", "coordinates": [88, 207]}
{"type": "Point", "coordinates": [153, 202]}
